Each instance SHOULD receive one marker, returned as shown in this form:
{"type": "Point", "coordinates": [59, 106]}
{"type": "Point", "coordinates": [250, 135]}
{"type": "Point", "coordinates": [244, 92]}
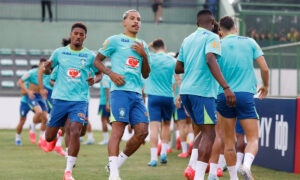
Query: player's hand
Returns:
{"type": "Point", "coordinates": [107, 107]}
{"type": "Point", "coordinates": [263, 92]}
{"type": "Point", "coordinates": [30, 94]}
{"type": "Point", "coordinates": [90, 79]}
{"type": "Point", "coordinates": [44, 93]}
{"type": "Point", "coordinates": [178, 102]}
{"type": "Point", "coordinates": [47, 67]}
{"type": "Point", "coordinates": [230, 97]}
{"type": "Point", "coordinates": [139, 48]}
{"type": "Point", "coordinates": [117, 79]}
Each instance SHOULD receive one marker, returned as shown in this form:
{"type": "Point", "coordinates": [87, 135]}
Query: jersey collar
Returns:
{"type": "Point", "coordinates": [122, 34]}
{"type": "Point", "coordinates": [76, 51]}
{"type": "Point", "coordinates": [229, 35]}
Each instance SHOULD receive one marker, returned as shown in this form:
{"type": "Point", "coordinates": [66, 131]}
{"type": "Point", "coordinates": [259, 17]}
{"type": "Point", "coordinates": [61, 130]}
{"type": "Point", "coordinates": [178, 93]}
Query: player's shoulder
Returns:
{"type": "Point", "coordinates": [115, 37]}
{"type": "Point", "coordinates": [34, 70]}
{"type": "Point", "coordinates": [61, 49]}
{"type": "Point", "coordinates": [89, 52]}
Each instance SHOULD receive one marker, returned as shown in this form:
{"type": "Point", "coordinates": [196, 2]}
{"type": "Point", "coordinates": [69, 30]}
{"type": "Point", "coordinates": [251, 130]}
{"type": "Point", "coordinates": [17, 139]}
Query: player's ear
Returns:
{"type": "Point", "coordinates": [123, 23]}
{"type": "Point", "coordinates": [236, 29]}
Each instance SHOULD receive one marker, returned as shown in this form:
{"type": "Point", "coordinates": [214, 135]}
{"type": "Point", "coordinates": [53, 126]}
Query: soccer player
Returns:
{"type": "Point", "coordinates": [197, 59]}
{"type": "Point", "coordinates": [104, 107]}
{"type": "Point", "coordinates": [70, 92]}
{"type": "Point", "coordinates": [238, 55]}
{"type": "Point", "coordinates": [159, 89]}
{"type": "Point", "coordinates": [36, 101]}
{"type": "Point", "coordinates": [129, 58]}
{"type": "Point", "coordinates": [24, 109]}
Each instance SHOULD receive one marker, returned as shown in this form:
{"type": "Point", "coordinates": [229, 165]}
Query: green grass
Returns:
{"type": "Point", "coordinates": [28, 162]}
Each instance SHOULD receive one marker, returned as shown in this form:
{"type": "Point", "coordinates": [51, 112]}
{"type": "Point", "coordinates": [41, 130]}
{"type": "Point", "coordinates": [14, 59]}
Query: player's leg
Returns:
{"type": "Point", "coordinates": [154, 133]}
{"type": "Point", "coordinates": [216, 150]}
{"type": "Point", "coordinates": [77, 113]}
{"type": "Point", "coordinates": [181, 124]}
{"type": "Point", "coordinates": [58, 146]}
{"type": "Point", "coordinates": [250, 127]}
{"type": "Point", "coordinates": [105, 120]}
{"type": "Point", "coordinates": [228, 120]}
{"type": "Point", "coordinates": [24, 109]}
{"type": "Point", "coordinates": [240, 144]}
{"type": "Point", "coordinates": [248, 117]}
{"type": "Point", "coordinates": [90, 139]}
{"type": "Point", "coordinates": [190, 133]}
{"type": "Point", "coordinates": [204, 112]}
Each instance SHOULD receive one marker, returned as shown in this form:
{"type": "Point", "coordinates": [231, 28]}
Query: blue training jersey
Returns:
{"type": "Point", "coordinates": [159, 82]}
{"type": "Point", "coordinates": [104, 83]}
{"type": "Point", "coordinates": [197, 79]}
{"type": "Point", "coordinates": [238, 55]}
{"type": "Point", "coordinates": [73, 70]}
{"type": "Point", "coordinates": [31, 76]}
{"type": "Point", "coordinates": [125, 61]}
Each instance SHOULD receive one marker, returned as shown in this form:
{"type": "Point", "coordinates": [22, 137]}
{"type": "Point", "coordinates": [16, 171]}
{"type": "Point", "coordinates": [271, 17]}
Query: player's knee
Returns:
{"type": "Point", "coordinates": [76, 132]}
{"type": "Point", "coordinates": [141, 135]}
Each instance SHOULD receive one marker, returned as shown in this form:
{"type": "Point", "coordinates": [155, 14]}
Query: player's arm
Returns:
{"type": "Point", "coordinates": [47, 67]}
{"type": "Point", "coordinates": [216, 72]}
{"type": "Point", "coordinates": [179, 68]}
{"type": "Point", "coordinates": [178, 83]}
{"type": "Point", "coordinates": [92, 80]}
{"type": "Point", "coordinates": [264, 72]}
{"type": "Point", "coordinates": [107, 94]}
{"type": "Point", "coordinates": [116, 78]}
{"type": "Point", "coordinates": [43, 91]}
{"type": "Point", "coordinates": [140, 49]}
{"type": "Point", "coordinates": [52, 82]}
{"type": "Point", "coordinates": [21, 83]}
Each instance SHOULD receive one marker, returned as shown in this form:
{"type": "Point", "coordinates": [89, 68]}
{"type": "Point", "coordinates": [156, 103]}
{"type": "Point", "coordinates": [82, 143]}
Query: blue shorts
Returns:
{"type": "Point", "coordinates": [160, 108]}
{"type": "Point", "coordinates": [244, 109]}
{"type": "Point", "coordinates": [201, 109]}
{"type": "Point", "coordinates": [128, 107]}
{"type": "Point", "coordinates": [86, 120]}
{"type": "Point", "coordinates": [102, 111]}
{"type": "Point", "coordinates": [37, 101]}
{"type": "Point", "coordinates": [238, 128]}
{"type": "Point", "coordinates": [24, 109]}
{"type": "Point", "coordinates": [179, 114]}
{"type": "Point", "coordinates": [49, 100]}
{"type": "Point", "coordinates": [62, 110]}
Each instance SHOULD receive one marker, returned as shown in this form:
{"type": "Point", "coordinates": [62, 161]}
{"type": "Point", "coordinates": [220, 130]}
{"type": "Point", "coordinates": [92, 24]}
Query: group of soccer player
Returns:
{"type": "Point", "coordinates": [216, 83]}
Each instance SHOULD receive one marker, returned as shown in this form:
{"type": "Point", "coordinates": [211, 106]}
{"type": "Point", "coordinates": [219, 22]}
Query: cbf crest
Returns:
{"type": "Point", "coordinates": [122, 112]}
{"type": "Point", "coordinates": [83, 62]}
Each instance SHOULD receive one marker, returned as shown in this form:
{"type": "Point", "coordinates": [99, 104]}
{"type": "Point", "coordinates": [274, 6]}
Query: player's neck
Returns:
{"type": "Point", "coordinates": [204, 26]}
{"type": "Point", "coordinates": [130, 34]}
{"type": "Point", "coordinates": [229, 33]}
{"type": "Point", "coordinates": [75, 48]}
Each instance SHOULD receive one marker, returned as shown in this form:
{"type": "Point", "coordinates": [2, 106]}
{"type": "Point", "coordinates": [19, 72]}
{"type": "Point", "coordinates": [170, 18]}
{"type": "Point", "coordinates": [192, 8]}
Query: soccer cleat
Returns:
{"type": "Point", "coordinates": [224, 168]}
{"type": "Point", "coordinates": [189, 173]}
{"type": "Point", "coordinates": [183, 155]}
{"type": "Point", "coordinates": [59, 150]}
{"type": "Point", "coordinates": [169, 151]}
{"type": "Point", "coordinates": [158, 149]}
{"type": "Point", "coordinates": [43, 144]}
{"type": "Point", "coordinates": [178, 145]}
{"type": "Point", "coordinates": [246, 173]}
{"type": "Point", "coordinates": [152, 163]}
{"type": "Point", "coordinates": [103, 142]}
{"type": "Point", "coordinates": [51, 145]}
{"type": "Point", "coordinates": [219, 172]}
{"type": "Point", "coordinates": [18, 142]}
{"type": "Point", "coordinates": [190, 147]}
{"type": "Point", "coordinates": [68, 176]}
{"type": "Point", "coordinates": [89, 142]}
{"type": "Point", "coordinates": [212, 177]}
{"type": "Point", "coordinates": [32, 137]}
{"type": "Point", "coordinates": [163, 159]}
{"type": "Point", "coordinates": [114, 178]}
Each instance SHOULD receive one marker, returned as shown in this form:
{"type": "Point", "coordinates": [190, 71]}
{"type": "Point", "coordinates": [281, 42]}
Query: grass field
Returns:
{"type": "Point", "coordinates": [28, 162]}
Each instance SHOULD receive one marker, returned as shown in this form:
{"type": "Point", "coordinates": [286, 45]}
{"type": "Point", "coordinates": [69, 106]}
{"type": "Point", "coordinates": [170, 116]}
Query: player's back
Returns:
{"type": "Point", "coordinates": [159, 81]}
{"type": "Point", "coordinates": [236, 63]}
{"type": "Point", "coordinates": [198, 79]}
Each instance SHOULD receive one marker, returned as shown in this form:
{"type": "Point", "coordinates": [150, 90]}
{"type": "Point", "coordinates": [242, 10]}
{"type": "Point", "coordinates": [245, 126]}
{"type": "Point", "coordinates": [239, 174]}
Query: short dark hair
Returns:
{"type": "Point", "coordinates": [216, 28]}
{"type": "Point", "coordinates": [202, 13]}
{"type": "Point", "coordinates": [158, 44]}
{"type": "Point", "coordinates": [34, 66]}
{"type": "Point", "coordinates": [43, 60]}
{"type": "Point", "coordinates": [227, 22]}
{"type": "Point", "coordinates": [79, 25]}
{"type": "Point", "coordinates": [65, 41]}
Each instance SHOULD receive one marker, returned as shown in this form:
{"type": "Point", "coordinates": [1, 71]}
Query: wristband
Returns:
{"type": "Point", "coordinates": [226, 87]}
